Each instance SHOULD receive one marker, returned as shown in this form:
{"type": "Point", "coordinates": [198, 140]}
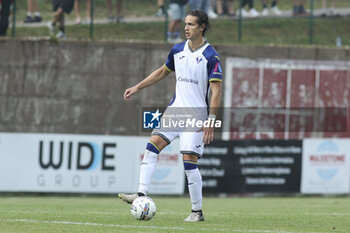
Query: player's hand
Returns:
{"type": "Point", "coordinates": [129, 92]}
{"type": "Point", "coordinates": [208, 134]}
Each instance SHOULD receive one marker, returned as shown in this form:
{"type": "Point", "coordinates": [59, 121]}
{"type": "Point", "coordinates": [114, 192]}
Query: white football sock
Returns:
{"type": "Point", "coordinates": [147, 169]}
{"type": "Point", "coordinates": [195, 188]}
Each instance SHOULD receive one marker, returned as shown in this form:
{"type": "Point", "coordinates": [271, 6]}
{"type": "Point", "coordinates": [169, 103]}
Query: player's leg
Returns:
{"type": "Point", "coordinates": [148, 165]}
{"type": "Point", "coordinates": [194, 179]}
{"type": "Point", "coordinates": [191, 145]}
{"type": "Point", "coordinates": [149, 162]}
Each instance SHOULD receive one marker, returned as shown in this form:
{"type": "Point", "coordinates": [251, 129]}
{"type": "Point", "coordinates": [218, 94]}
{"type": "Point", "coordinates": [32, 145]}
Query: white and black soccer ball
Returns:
{"type": "Point", "coordinates": [143, 208]}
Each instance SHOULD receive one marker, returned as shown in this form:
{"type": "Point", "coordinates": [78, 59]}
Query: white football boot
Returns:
{"type": "Point", "coordinates": [195, 217]}
{"type": "Point", "coordinates": [128, 198]}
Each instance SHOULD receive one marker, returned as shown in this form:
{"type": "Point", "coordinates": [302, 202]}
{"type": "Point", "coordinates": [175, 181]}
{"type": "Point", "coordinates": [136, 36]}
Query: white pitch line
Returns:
{"type": "Point", "coordinates": [89, 224]}
{"type": "Point", "coordinates": [91, 212]}
{"type": "Point", "coordinates": [144, 227]}
{"type": "Point", "coordinates": [179, 213]}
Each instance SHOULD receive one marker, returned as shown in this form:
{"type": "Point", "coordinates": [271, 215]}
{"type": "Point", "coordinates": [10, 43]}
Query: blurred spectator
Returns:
{"type": "Point", "coordinates": [161, 10]}
{"type": "Point", "coordinates": [199, 5]}
{"type": "Point", "coordinates": [60, 7]}
{"type": "Point", "coordinates": [5, 6]}
{"type": "Point", "coordinates": [273, 10]}
{"type": "Point", "coordinates": [32, 9]}
{"type": "Point", "coordinates": [119, 6]}
{"type": "Point", "coordinates": [177, 11]}
{"type": "Point", "coordinates": [252, 12]}
{"type": "Point", "coordinates": [211, 13]}
{"type": "Point", "coordinates": [299, 9]}
{"type": "Point", "coordinates": [330, 11]}
{"type": "Point", "coordinates": [221, 8]}
{"type": "Point", "coordinates": [77, 11]}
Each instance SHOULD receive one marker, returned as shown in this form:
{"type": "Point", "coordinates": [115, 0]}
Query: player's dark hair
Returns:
{"type": "Point", "coordinates": [202, 18]}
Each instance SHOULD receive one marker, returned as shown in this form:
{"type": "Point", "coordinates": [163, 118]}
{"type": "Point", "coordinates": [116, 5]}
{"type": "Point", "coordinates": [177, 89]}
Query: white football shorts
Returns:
{"type": "Point", "coordinates": [190, 142]}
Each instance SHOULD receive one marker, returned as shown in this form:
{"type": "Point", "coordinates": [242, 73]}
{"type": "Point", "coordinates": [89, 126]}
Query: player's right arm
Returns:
{"type": "Point", "coordinates": [153, 78]}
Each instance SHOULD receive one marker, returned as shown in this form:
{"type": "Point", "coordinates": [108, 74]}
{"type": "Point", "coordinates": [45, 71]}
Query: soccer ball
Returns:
{"type": "Point", "coordinates": [143, 208]}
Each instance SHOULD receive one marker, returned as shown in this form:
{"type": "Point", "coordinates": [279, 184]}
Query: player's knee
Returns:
{"type": "Point", "coordinates": [159, 141]}
{"type": "Point", "coordinates": [152, 147]}
{"type": "Point", "coordinates": [190, 165]}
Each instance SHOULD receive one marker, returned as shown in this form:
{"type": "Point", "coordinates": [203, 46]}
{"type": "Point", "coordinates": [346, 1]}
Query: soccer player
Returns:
{"type": "Point", "coordinates": [197, 69]}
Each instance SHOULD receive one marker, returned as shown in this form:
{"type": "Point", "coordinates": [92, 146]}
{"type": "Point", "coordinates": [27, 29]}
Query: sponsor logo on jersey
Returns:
{"type": "Point", "coordinates": [187, 80]}
{"type": "Point", "coordinates": [217, 69]}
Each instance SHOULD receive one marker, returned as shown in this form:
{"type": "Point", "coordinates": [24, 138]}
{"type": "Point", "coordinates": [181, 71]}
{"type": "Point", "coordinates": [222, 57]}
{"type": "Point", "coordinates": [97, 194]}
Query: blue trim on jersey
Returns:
{"type": "Point", "coordinates": [209, 51]}
{"type": "Point", "coordinates": [173, 99]}
{"type": "Point", "coordinates": [207, 97]}
{"type": "Point", "coordinates": [152, 148]}
{"type": "Point", "coordinates": [213, 65]}
{"type": "Point", "coordinates": [176, 49]}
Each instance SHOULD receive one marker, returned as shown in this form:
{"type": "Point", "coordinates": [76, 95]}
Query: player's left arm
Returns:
{"type": "Point", "coordinates": [215, 87]}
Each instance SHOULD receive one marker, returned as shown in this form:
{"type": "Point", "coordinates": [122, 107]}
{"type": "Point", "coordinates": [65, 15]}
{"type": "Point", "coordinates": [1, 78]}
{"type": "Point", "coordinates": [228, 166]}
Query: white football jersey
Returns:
{"type": "Point", "coordinates": [194, 70]}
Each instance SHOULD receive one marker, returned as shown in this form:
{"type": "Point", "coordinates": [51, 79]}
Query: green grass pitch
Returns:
{"type": "Point", "coordinates": [106, 214]}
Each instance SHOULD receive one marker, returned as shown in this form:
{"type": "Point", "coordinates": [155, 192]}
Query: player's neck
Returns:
{"type": "Point", "coordinates": [196, 43]}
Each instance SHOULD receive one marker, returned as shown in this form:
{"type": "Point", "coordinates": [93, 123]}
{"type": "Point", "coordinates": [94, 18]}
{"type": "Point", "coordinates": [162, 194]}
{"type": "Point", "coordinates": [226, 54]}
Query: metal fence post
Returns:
{"type": "Point", "coordinates": [14, 19]}
{"type": "Point", "coordinates": [240, 21]}
{"type": "Point", "coordinates": [311, 24]}
{"type": "Point", "coordinates": [92, 19]}
{"type": "Point", "coordinates": [166, 20]}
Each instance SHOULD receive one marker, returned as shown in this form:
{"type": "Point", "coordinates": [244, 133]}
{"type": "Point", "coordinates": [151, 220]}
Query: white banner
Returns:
{"type": "Point", "coordinates": [325, 166]}
{"type": "Point", "coordinates": [83, 164]}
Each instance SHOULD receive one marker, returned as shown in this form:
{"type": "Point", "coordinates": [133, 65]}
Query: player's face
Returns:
{"type": "Point", "coordinates": [192, 29]}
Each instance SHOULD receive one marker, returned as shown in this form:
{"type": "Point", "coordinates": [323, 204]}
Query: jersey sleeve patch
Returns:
{"type": "Point", "coordinates": [216, 73]}
{"type": "Point", "coordinates": [214, 67]}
